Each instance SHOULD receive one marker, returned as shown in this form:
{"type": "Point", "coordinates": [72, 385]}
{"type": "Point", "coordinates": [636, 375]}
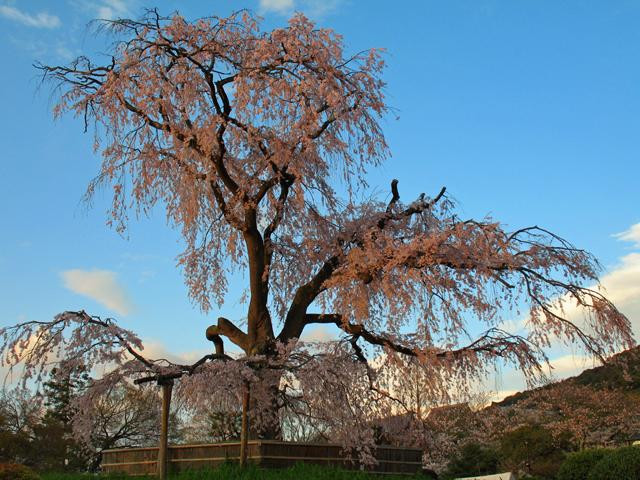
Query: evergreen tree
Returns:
{"type": "Point", "coordinates": [53, 441]}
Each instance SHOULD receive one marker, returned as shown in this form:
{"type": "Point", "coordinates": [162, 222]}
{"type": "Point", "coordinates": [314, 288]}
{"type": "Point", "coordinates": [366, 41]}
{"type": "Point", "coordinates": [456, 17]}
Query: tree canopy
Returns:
{"type": "Point", "coordinates": [257, 144]}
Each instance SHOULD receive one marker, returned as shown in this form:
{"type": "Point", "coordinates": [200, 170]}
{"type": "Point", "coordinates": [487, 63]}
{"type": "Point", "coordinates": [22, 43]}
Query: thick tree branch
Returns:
{"type": "Point", "coordinates": [395, 195]}
{"type": "Point", "coordinates": [304, 296]}
{"type": "Point", "coordinates": [323, 318]}
{"type": "Point", "coordinates": [420, 205]}
{"type": "Point", "coordinates": [285, 185]}
{"type": "Point", "coordinates": [228, 329]}
{"type": "Point", "coordinates": [307, 293]}
{"type": "Point", "coordinates": [218, 161]}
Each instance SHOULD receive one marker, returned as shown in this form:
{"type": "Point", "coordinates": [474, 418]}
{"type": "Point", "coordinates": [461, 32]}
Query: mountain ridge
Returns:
{"type": "Point", "coordinates": [620, 372]}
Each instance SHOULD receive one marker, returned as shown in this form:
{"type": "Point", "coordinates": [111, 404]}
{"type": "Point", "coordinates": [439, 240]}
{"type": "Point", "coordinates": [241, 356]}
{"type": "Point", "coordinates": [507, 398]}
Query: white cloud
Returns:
{"type": "Point", "coordinates": [64, 52]}
{"type": "Point", "coordinates": [279, 6]}
{"type": "Point", "coordinates": [110, 9]}
{"type": "Point", "coordinates": [511, 380]}
{"type": "Point", "coordinates": [320, 8]}
{"type": "Point", "coordinates": [318, 334]}
{"type": "Point", "coordinates": [313, 8]}
{"type": "Point", "coordinates": [41, 48]}
{"type": "Point", "coordinates": [630, 235]}
{"type": "Point", "coordinates": [622, 287]}
{"type": "Point", "coordinates": [570, 365]}
{"type": "Point", "coordinates": [107, 9]}
{"type": "Point", "coordinates": [499, 395]}
{"type": "Point", "coordinates": [39, 20]}
{"type": "Point", "coordinates": [101, 286]}
{"type": "Point", "coordinates": [156, 350]}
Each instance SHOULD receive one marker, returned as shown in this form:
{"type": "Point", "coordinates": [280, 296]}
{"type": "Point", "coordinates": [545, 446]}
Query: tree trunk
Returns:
{"type": "Point", "coordinates": [269, 427]}
{"type": "Point", "coordinates": [163, 450]}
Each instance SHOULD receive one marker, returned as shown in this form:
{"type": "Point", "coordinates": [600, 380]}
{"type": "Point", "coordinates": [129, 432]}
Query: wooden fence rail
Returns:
{"type": "Point", "coordinates": [266, 453]}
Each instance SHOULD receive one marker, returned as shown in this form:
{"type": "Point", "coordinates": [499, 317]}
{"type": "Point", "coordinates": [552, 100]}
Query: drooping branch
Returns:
{"type": "Point", "coordinates": [494, 342]}
{"type": "Point", "coordinates": [75, 338]}
{"type": "Point", "coordinates": [446, 257]}
{"type": "Point", "coordinates": [72, 338]}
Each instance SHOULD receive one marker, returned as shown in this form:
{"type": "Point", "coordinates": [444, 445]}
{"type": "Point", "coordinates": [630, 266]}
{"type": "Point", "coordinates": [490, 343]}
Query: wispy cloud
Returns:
{"type": "Point", "coordinates": [278, 6]}
{"type": "Point", "coordinates": [509, 381]}
{"type": "Point", "coordinates": [101, 286]}
{"type": "Point", "coordinates": [110, 9]}
{"type": "Point", "coordinates": [569, 366]}
{"type": "Point", "coordinates": [622, 285]}
{"type": "Point", "coordinates": [320, 8]}
{"type": "Point", "coordinates": [107, 9]}
{"type": "Point", "coordinates": [319, 334]}
{"type": "Point", "coordinates": [313, 8]}
{"type": "Point", "coordinates": [38, 20]}
{"type": "Point", "coordinates": [630, 235]}
{"type": "Point", "coordinates": [52, 49]}
{"type": "Point", "coordinates": [157, 350]}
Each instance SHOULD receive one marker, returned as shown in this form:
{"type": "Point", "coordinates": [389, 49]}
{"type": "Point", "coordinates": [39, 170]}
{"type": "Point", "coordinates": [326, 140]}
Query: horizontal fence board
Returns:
{"type": "Point", "coordinates": [266, 453]}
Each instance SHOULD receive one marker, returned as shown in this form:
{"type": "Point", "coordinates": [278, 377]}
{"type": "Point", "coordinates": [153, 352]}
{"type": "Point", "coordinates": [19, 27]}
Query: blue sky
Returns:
{"type": "Point", "coordinates": [528, 111]}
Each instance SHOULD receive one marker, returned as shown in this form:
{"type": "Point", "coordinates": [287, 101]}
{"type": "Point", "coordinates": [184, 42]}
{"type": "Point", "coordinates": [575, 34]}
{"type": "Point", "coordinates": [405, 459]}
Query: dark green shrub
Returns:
{"type": "Point", "coordinates": [532, 450]}
{"type": "Point", "coordinates": [620, 463]}
{"type": "Point", "coordinates": [15, 471]}
{"type": "Point", "coordinates": [578, 465]}
{"type": "Point", "coordinates": [472, 459]}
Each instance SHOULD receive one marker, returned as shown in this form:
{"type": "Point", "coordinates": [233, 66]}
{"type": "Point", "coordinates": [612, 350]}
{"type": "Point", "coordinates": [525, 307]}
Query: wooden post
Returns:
{"type": "Point", "coordinates": [244, 433]}
{"type": "Point", "coordinates": [163, 450]}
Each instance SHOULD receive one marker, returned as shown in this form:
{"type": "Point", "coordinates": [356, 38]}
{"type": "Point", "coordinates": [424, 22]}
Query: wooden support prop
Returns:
{"type": "Point", "coordinates": [163, 450]}
{"type": "Point", "coordinates": [244, 434]}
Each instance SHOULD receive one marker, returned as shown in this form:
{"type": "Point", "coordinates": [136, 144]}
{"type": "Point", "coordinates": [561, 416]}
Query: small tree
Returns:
{"type": "Point", "coordinates": [532, 449]}
{"type": "Point", "coordinates": [256, 144]}
{"type": "Point", "coordinates": [20, 413]}
{"type": "Point", "coordinates": [124, 416]}
{"type": "Point", "coordinates": [586, 415]}
{"type": "Point", "coordinates": [473, 460]}
{"type": "Point", "coordinates": [60, 392]}
{"type": "Point", "coordinates": [590, 416]}
{"type": "Point", "coordinates": [217, 422]}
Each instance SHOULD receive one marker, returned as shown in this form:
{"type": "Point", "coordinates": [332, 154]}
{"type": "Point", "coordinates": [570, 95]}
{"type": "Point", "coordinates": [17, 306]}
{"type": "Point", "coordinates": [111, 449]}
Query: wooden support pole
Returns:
{"type": "Point", "coordinates": [163, 450]}
{"type": "Point", "coordinates": [244, 434]}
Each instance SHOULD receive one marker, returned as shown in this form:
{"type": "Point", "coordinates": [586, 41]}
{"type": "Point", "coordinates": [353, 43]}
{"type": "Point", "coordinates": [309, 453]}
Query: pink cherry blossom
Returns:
{"type": "Point", "coordinates": [256, 144]}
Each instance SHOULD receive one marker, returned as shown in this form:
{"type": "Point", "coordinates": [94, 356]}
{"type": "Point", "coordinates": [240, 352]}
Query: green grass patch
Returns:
{"type": "Point", "coordinates": [85, 476]}
{"type": "Point", "coordinates": [251, 472]}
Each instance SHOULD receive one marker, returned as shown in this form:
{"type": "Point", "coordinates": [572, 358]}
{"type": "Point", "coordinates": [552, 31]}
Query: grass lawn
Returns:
{"type": "Point", "coordinates": [233, 472]}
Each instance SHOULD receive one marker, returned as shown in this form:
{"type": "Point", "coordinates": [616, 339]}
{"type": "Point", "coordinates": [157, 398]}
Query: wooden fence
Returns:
{"type": "Point", "coordinates": [266, 453]}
